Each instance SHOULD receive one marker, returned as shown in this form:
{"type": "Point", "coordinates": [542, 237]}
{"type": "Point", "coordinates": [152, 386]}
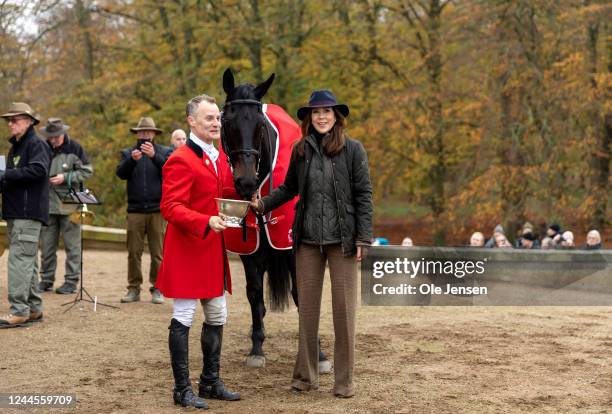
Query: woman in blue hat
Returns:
{"type": "Point", "coordinates": [332, 225]}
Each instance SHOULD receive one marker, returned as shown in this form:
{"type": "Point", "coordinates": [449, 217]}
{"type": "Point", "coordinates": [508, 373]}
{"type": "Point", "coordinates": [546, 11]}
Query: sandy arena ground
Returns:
{"type": "Point", "coordinates": [409, 360]}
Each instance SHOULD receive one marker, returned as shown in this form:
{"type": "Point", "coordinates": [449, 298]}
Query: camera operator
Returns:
{"type": "Point", "coordinates": [141, 165]}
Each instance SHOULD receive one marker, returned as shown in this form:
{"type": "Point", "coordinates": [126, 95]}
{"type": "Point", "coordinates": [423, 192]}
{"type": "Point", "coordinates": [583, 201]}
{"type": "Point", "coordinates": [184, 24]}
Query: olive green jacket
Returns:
{"type": "Point", "coordinates": [68, 159]}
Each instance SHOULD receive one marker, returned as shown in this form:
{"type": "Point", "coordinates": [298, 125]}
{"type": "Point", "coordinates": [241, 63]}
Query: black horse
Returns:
{"type": "Point", "coordinates": [250, 142]}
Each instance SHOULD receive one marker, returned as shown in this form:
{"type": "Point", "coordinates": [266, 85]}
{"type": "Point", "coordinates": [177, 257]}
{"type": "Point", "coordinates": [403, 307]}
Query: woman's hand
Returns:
{"type": "Point", "coordinates": [362, 252]}
{"type": "Point", "coordinates": [256, 204]}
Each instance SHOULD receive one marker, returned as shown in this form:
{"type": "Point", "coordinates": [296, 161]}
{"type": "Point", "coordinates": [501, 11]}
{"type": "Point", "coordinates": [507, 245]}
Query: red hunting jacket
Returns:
{"type": "Point", "coordinates": [194, 265]}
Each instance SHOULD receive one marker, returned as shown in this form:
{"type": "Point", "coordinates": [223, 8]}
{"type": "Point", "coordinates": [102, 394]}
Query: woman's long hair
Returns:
{"type": "Point", "coordinates": [332, 142]}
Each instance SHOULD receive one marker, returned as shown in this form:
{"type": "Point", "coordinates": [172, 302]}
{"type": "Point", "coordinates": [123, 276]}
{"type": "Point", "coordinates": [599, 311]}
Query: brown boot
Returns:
{"type": "Point", "coordinates": [35, 317]}
{"type": "Point", "coordinates": [13, 321]}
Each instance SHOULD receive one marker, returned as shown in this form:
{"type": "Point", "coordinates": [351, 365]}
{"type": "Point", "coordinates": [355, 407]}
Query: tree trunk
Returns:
{"type": "Point", "coordinates": [84, 21]}
{"type": "Point", "coordinates": [509, 151]}
{"type": "Point", "coordinates": [434, 65]}
{"type": "Point", "coordinates": [254, 43]}
{"type": "Point", "coordinates": [601, 125]}
{"type": "Point", "coordinates": [172, 41]}
{"type": "Point", "coordinates": [291, 35]}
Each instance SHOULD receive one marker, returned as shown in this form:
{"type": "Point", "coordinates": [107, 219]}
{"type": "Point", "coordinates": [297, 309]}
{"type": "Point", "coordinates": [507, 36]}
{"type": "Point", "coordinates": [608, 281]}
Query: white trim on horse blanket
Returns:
{"type": "Point", "coordinates": [278, 224]}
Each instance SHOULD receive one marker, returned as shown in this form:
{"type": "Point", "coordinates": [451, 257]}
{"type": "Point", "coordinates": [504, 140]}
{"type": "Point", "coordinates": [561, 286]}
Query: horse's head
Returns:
{"type": "Point", "coordinates": [243, 132]}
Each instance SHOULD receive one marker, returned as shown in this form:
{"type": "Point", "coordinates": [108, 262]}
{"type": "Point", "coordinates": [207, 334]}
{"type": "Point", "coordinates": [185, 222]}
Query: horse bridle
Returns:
{"type": "Point", "coordinates": [249, 151]}
{"type": "Point", "coordinates": [245, 151]}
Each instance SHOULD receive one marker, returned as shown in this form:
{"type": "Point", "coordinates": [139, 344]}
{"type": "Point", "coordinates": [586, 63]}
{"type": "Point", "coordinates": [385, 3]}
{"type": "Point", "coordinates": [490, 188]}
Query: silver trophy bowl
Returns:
{"type": "Point", "coordinates": [232, 211]}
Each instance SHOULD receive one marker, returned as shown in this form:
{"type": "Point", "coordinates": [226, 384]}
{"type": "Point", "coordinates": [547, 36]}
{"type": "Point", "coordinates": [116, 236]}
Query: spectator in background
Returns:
{"type": "Point", "coordinates": [407, 242]}
{"type": "Point", "coordinates": [527, 229]}
{"type": "Point", "coordinates": [25, 207]}
{"type": "Point", "coordinates": [496, 231]}
{"type": "Point", "coordinates": [553, 234]}
{"type": "Point", "coordinates": [565, 241]}
{"type": "Point", "coordinates": [553, 230]}
{"type": "Point", "coordinates": [380, 241]}
{"type": "Point", "coordinates": [70, 167]}
{"type": "Point", "coordinates": [501, 241]}
{"type": "Point", "coordinates": [477, 239]}
{"type": "Point", "coordinates": [593, 241]}
{"type": "Point", "coordinates": [141, 166]}
{"type": "Point", "coordinates": [528, 241]}
{"type": "Point", "coordinates": [547, 243]}
{"type": "Point", "coordinates": [178, 139]}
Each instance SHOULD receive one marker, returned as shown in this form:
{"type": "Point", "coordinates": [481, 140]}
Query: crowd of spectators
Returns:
{"type": "Point", "coordinates": [554, 238]}
{"type": "Point", "coordinates": [528, 238]}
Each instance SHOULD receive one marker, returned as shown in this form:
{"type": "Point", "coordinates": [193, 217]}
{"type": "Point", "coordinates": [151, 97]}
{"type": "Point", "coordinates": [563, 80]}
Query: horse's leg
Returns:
{"type": "Point", "coordinates": [254, 287]}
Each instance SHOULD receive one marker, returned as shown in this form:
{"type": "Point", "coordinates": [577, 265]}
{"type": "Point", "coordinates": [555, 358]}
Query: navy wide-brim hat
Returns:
{"type": "Point", "coordinates": [323, 98]}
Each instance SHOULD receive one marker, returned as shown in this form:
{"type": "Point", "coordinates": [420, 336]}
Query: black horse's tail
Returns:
{"type": "Point", "coordinates": [279, 278]}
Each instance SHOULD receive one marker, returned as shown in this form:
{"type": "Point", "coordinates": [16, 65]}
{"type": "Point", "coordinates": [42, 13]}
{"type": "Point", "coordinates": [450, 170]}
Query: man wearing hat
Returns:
{"type": "Point", "coordinates": [25, 207]}
{"type": "Point", "coordinates": [141, 165]}
{"type": "Point", "coordinates": [528, 241]}
{"type": "Point", "coordinates": [69, 169]}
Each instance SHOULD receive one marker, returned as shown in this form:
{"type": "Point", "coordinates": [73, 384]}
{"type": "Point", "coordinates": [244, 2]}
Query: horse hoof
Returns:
{"type": "Point", "coordinates": [325, 367]}
{"type": "Point", "coordinates": [256, 361]}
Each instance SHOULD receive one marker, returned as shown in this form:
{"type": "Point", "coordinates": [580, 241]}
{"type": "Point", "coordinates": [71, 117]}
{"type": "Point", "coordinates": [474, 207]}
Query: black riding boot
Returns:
{"type": "Point", "coordinates": [178, 342]}
{"type": "Point", "coordinates": [211, 385]}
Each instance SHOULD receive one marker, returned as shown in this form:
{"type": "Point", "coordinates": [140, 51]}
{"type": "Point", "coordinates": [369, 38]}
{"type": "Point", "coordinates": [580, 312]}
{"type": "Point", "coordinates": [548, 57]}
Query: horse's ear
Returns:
{"type": "Point", "coordinates": [262, 88]}
{"type": "Point", "coordinates": [228, 81]}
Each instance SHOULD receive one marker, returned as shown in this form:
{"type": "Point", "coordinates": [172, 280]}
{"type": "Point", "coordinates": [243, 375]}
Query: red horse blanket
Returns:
{"type": "Point", "coordinates": [278, 222]}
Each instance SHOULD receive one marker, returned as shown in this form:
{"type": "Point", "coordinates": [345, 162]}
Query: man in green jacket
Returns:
{"type": "Point", "coordinates": [69, 169]}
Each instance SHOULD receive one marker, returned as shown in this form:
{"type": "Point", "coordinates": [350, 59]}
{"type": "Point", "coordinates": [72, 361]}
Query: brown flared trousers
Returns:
{"type": "Point", "coordinates": [310, 261]}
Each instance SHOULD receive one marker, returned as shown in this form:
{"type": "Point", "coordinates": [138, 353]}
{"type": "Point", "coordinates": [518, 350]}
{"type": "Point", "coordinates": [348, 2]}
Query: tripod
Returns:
{"type": "Point", "coordinates": [83, 199]}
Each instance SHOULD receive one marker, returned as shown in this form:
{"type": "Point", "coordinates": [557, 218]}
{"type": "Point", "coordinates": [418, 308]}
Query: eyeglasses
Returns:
{"type": "Point", "coordinates": [15, 119]}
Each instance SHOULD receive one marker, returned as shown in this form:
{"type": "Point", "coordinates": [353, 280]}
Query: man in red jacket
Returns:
{"type": "Point", "coordinates": [194, 266]}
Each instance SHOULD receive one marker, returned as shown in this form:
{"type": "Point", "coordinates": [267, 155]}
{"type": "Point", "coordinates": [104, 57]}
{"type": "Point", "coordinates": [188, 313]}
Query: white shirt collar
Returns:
{"type": "Point", "coordinates": [209, 149]}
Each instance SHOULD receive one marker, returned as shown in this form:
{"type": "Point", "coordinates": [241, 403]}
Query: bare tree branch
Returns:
{"type": "Point", "coordinates": [106, 11]}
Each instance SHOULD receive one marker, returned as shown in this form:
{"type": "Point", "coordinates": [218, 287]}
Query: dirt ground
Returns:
{"type": "Point", "coordinates": [409, 359]}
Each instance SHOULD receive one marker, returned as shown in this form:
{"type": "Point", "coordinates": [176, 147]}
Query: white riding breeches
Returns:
{"type": "Point", "coordinates": [215, 310]}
